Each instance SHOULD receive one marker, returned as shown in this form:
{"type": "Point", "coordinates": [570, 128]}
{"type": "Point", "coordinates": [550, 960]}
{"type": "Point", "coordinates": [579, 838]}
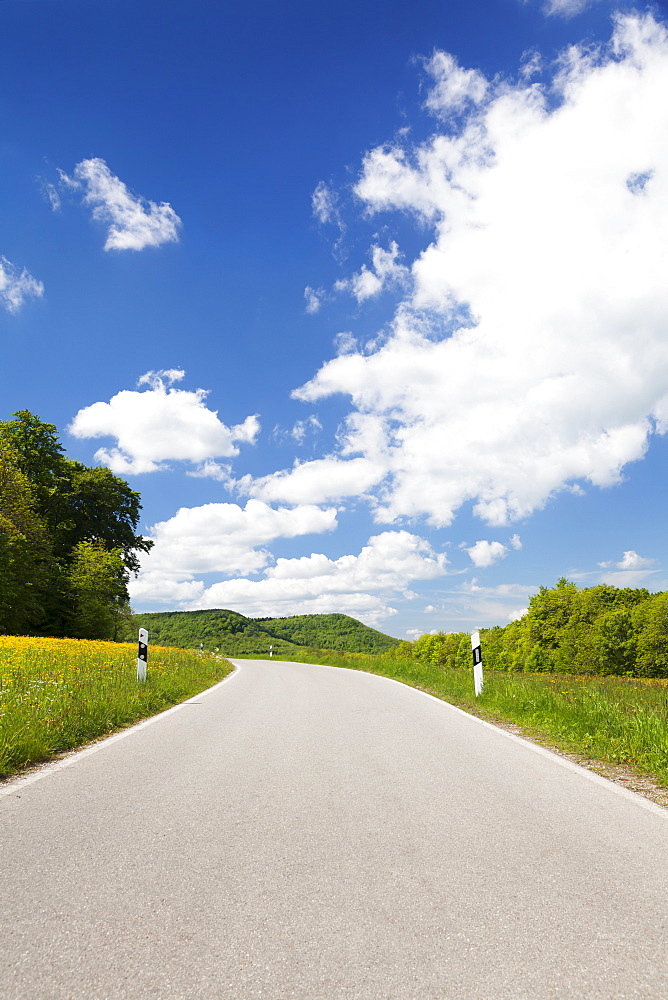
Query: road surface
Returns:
{"type": "Point", "coordinates": [305, 832]}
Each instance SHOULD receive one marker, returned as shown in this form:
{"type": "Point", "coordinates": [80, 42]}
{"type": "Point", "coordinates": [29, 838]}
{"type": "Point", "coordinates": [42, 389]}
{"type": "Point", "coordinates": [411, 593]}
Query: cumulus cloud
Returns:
{"type": "Point", "coordinates": [133, 222]}
{"type": "Point", "coordinates": [485, 553]}
{"type": "Point", "coordinates": [386, 271]}
{"type": "Point", "coordinates": [354, 584]}
{"type": "Point", "coordinates": [161, 424]}
{"type": "Point", "coordinates": [16, 286]}
{"type": "Point", "coordinates": [224, 538]}
{"type": "Point", "coordinates": [631, 560]}
{"type": "Point", "coordinates": [530, 355]}
{"type": "Point", "coordinates": [631, 570]}
{"type": "Point", "coordinates": [319, 481]}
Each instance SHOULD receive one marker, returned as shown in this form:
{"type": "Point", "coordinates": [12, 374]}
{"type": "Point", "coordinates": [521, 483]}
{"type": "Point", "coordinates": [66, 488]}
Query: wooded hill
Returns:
{"type": "Point", "coordinates": [235, 635]}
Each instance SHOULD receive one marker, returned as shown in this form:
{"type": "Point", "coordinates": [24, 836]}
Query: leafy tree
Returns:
{"type": "Point", "coordinates": [540, 660]}
{"type": "Point", "coordinates": [97, 582]}
{"type": "Point", "coordinates": [96, 504]}
{"type": "Point", "coordinates": [549, 612]}
{"type": "Point", "coordinates": [25, 557]}
{"type": "Point", "coordinates": [39, 452]}
{"type": "Point", "coordinates": [464, 657]}
{"type": "Point", "coordinates": [63, 529]}
{"type": "Point", "coordinates": [403, 650]}
{"type": "Point", "coordinates": [617, 642]}
{"type": "Point", "coordinates": [437, 650]}
{"type": "Point", "coordinates": [493, 652]}
{"type": "Point", "coordinates": [651, 620]}
{"type": "Point", "coordinates": [77, 503]}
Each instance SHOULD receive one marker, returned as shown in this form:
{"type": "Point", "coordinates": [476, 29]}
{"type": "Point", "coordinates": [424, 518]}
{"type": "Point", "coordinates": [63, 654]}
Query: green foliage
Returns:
{"type": "Point", "coordinates": [596, 630]}
{"type": "Point", "coordinates": [92, 503]}
{"type": "Point", "coordinates": [25, 555]}
{"type": "Point", "coordinates": [439, 649]}
{"type": "Point", "coordinates": [97, 580]}
{"type": "Point", "coordinates": [68, 539]}
{"type": "Point", "coordinates": [335, 631]}
{"type": "Point", "coordinates": [539, 660]}
{"type": "Point", "coordinates": [235, 635]}
{"type": "Point", "coordinates": [549, 612]}
{"type": "Point", "coordinates": [651, 621]}
{"type": "Point", "coordinates": [617, 642]}
{"type": "Point", "coordinates": [464, 656]}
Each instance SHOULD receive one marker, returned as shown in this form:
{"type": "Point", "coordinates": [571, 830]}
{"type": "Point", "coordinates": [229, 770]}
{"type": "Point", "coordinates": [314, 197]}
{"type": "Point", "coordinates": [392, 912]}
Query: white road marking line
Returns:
{"type": "Point", "coordinates": [13, 785]}
{"type": "Point", "coordinates": [598, 779]}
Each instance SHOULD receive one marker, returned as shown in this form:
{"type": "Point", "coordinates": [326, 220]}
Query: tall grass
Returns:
{"type": "Point", "coordinates": [619, 720]}
{"type": "Point", "coordinates": [56, 694]}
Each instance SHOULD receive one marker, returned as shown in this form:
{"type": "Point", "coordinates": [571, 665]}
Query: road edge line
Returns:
{"type": "Point", "coordinates": [12, 785]}
{"type": "Point", "coordinates": [524, 740]}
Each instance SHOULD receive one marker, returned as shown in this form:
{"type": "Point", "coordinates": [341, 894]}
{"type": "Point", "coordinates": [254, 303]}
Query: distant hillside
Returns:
{"type": "Point", "coordinates": [328, 632]}
{"type": "Point", "coordinates": [236, 635]}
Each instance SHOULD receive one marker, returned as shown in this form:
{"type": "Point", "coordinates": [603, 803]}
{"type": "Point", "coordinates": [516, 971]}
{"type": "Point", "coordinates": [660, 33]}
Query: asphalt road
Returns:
{"type": "Point", "coordinates": [306, 832]}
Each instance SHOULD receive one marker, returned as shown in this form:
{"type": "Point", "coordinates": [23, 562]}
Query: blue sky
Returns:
{"type": "Point", "coordinates": [368, 300]}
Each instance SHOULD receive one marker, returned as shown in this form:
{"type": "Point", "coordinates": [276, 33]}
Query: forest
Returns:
{"type": "Point", "coordinates": [68, 541]}
{"type": "Point", "coordinates": [568, 630]}
{"type": "Point", "coordinates": [235, 635]}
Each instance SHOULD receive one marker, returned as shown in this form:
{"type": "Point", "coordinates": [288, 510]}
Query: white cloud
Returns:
{"type": "Point", "coordinates": [632, 570]}
{"type": "Point", "coordinates": [134, 222]}
{"type": "Point", "coordinates": [161, 424]}
{"type": "Point", "coordinates": [51, 194]}
{"type": "Point", "coordinates": [16, 286]}
{"type": "Point", "coordinates": [314, 297]}
{"type": "Point", "coordinates": [324, 204]}
{"type": "Point", "coordinates": [387, 271]}
{"type": "Point", "coordinates": [157, 379]}
{"type": "Point", "coordinates": [319, 481]}
{"type": "Point", "coordinates": [516, 542]}
{"type": "Point", "coordinates": [219, 538]}
{"type": "Point", "coordinates": [212, 470]}
{"type": "Point", "coordinates": [352, 584]}
{"type": "Point", "coordinates": [346, 343]}
{"type": "Point", "coordinates": [303, 429]}
{"type": "Point", "coordinates": [474, 604]}
{"type": "Point", "coordinates": [454, 88]}
{"type": "Point", "coordinates": [485, 553]}
{"type": "Point", "coordinates": [567, 8]}
{"type": "Point", "coordinates": [631, 560]}
{"type": "Point", "coordinates": [531, 354]}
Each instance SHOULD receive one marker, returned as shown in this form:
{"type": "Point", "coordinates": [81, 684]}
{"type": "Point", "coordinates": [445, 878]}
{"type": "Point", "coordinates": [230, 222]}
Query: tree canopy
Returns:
{"type": "Point", "coordinates": [68, 537]}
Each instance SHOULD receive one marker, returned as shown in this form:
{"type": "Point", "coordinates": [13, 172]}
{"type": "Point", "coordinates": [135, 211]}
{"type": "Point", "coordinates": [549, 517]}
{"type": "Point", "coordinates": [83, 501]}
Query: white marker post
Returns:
{"type": "Point", "coordinates": [271, 651]}
{"type": "Point", "coordinates": [477, 662]}
{"type": "Point", "coordinates": [142, 654]}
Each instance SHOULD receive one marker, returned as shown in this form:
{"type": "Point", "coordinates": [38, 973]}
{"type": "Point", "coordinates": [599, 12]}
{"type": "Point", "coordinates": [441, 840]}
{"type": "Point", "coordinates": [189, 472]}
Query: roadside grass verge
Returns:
{"type": "Point", "coordinates": [57, 694]}
{"type": "Point", "coordinates": [618, 720]}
